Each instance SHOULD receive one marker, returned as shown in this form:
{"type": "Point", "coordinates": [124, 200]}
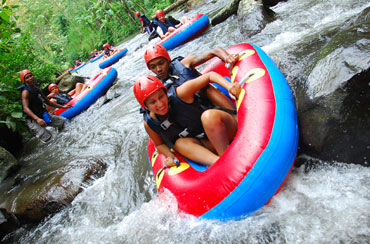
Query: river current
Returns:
{"type": "Point", "coordinates": [328, 203]}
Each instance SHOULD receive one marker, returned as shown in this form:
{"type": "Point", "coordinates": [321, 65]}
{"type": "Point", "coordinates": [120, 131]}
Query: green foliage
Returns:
{"type": "Point", "coordinates": [47, 36]}
{"type": "Point", "coordinates": [17, 53]}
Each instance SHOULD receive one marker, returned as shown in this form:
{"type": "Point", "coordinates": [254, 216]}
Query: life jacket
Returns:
{"type": "Point", "coordinates": [179, 73]}
{"type": "Point", "coordinates": [107, 52]}
{"type": "Point", "coordinates": [36, 101]}
{"type": "Point", "coordinates": [62, 98]}
{"type": "Point", "coordinates": [164, 26]}
{"type": "Point", "coordinates": [146, 21]}
{"type": "Point", "coordinates": [183, 120]}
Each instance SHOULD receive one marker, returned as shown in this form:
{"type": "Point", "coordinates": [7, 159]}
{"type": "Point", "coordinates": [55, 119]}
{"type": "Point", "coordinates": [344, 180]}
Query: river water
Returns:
{"type": "Point", "coordinates": [328, 203]}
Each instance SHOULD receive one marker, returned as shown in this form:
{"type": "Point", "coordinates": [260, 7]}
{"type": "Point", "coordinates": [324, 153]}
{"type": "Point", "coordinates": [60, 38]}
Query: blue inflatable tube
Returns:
{"type": "Point", "coordinates": [113, 59]}
{"type": "Point", "coordinates": [284, 137]}
{"type": "Point", "coordinates": [92, 95]}
{"type": "Point", "coordinates": [186, 32]}
{"type": "Point", "coordinates": [96, 58]}
{"type": "Point", "coordinates": [79, 67]}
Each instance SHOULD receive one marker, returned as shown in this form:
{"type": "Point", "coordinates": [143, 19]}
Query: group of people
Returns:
{"type": "Point", "coordinates": [161, 25]}
{"type": "Point", "coordinates": [181, 110]}
{"type": "Point", "coordinates": [95, 53]}
{"type": "Point", "coordinates": [108, 50]}
{"type": "Point", "coordinates": [33, 100]}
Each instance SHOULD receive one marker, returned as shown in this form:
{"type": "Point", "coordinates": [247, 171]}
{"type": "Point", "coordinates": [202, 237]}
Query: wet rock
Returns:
{"type": "Point", "coordinates": [334, 113]}
{"type": "Point", "coordinates": [68, 82]}
{"type": "Point", "coordinates": [7, 163]}
{"type": "Point", "coordinates": [226, 12]}
{"type": "Point", "coordinates": [37, 196]}
{"type": "Point", "coordinates": [271, 3]}
{"type": "Point", "coordinates": [253, 17]}
{"type": "Point", "coordinates": [337, 127]}
{"type": "Point", "coordinates": [11, 140]}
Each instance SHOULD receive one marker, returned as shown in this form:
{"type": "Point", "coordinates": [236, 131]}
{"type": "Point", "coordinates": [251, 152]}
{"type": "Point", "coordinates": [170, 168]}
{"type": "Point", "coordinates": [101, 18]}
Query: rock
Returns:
{"type": "Point", "coordinates": [334, 114]}
{"type": "Point", "coordinates": [11, 140]}
{"type": "Point", "coordinates": [69, 81]}
{"type": "Point", "coordinates": [253, 17]}
{"type": "Point", "coordinates": [337, 127]}
{"type": "Point", "coordinates": [37, 196]}
{"type": "Point", "coordinates": [7, 163]}
{"type": "Point", "coordinates": [226, 12]}
{"type": "Point", "coordinates": [271, 3]}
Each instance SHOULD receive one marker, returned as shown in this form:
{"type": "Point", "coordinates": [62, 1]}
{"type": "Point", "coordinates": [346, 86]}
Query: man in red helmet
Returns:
{"type": "Point", "coordinates": [33, 99]}
{"type": "Point", "coordinates": [108, 50]}
{"type": "Point", "coordinates": [179, 70]}
{"type": "Point", "coordinates": [166, 25]}
{"type": "Point", "coordinates": [145, 23]}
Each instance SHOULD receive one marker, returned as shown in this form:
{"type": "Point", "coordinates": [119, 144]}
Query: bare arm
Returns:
{"type": "Point", "coordinates": [53, 104]}
{"type": "Point", "coordinates": [161, 147]}
{"type": "Point", "coordinates": [195, 60]}
{"type": "Point", "coordinates": [28, 111]}
{"type": "Point", "coordinates": [187, 90]}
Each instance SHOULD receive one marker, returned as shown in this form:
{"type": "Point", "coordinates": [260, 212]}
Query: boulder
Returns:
{"type": "Point", "coordinates": [253, 17]}
{"type": "Point", "coordinates": [226, 12]}
{"type": "Point", "coordinates": [7, 163]}
{"type": "Point", "coordinates": [334, 102]}
{"type": "Point", "coordinates": [68, 82]}
{"type": "Point", "coordinates": [32, 198]}
{"type": "Point", "coordinates": [271, 3]}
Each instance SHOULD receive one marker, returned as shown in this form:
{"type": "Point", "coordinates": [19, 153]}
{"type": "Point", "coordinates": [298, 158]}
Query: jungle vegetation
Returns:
{"type": "Point", "coordinates": [47, 36]}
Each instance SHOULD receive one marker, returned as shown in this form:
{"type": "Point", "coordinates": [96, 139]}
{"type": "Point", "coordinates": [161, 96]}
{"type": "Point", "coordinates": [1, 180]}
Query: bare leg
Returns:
{"type": "Point", "coordinates": [171, 29]}
{"type": "Point", "coordinates": [218, 98]}
{"type": "Point", "coordinates": [220, 127]}
{"type": "Point", "coordinates": [184, 19]}
{"type": "Point", "coordinates": [190, 148]}
{"type": "Point", "coordinates": [80, 88]}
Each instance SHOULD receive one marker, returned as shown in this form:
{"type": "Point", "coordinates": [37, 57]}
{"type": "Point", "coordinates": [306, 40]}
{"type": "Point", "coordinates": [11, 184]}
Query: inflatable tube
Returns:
{"type": "Point", "coordinates": [191, 29]}
{"type": "Point", "coordinates": [259, 159]}
{"type": "Point", "coordinates": [111, 60]}
{"type": "Point", "coordinates": [97, 87]}
{"type": "Point", "coordinates": [96, 58]}
{"type": "Point", "coordinates": [79, 67]}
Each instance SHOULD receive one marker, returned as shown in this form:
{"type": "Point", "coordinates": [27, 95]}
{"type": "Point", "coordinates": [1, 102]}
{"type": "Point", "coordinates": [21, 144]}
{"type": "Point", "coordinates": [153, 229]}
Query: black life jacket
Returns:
{"type": "Point", "coordinates": [146, 21]}
{"type": "Point", "coordinates": [179, 73]}
{"type": "Point", "coordinates": [164, 26]}
{"type": "Point", "coordinates": [107, 52]}
{"type": "Point", "coordinates": [36, 101]}
{"type": "Point", "coordinates": [183, 120]}
{"type": "Point", "coordinates": [62, 98]}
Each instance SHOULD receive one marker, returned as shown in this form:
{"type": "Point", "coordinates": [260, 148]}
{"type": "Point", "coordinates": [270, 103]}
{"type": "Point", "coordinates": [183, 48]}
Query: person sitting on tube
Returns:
{"type": "Point", "coordinates": [175, 119]}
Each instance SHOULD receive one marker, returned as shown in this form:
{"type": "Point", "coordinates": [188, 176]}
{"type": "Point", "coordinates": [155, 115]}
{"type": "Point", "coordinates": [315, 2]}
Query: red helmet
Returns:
{"type": "Point", "coordinates": [138, 14]}
{"type": "Point", "coordinates": [51, 86]}
{"type": "Point", "coordinates": [145, 86]}
{"type": "Point", "coordinates": [23, 73]}
{"type": "Point", "coordinates": [155, 51]}
{"type": "Point", "coordinates": [159, 12]}
{"type": "Point", "coordinates": [91, 53]}
{"type": "Point", "coordinates": [77, 61]}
